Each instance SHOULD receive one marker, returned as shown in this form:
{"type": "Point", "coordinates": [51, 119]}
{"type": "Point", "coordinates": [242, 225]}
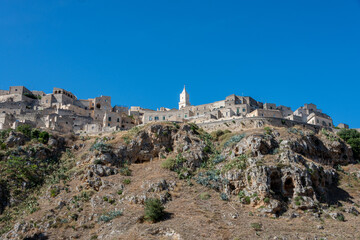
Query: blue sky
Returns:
{"type": "Point", "coordinates": [142, 52]}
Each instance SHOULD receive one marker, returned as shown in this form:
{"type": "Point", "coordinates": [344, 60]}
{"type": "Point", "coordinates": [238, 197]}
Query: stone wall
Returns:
{"type": "Point", "coordinates": [255, 122]}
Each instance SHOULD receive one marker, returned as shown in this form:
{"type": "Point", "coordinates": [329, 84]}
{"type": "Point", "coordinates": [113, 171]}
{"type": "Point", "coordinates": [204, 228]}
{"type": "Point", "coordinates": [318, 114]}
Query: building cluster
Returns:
{"type": "Point", "coordinates": [62, 111]}
{"type": "Point", "coordinates": [232, 107]}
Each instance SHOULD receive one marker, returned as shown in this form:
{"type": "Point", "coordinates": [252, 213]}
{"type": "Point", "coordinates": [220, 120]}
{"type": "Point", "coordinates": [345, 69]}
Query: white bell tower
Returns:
{"type": "Point", "coordinates": [184, 99]}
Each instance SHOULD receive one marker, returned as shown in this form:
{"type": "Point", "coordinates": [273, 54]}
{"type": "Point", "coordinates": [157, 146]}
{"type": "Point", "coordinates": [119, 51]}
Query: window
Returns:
{"type": "Point", "coordinates": [105, 100]}
{"type": "Point", "coordinates": [47, 101]}
{"type": "Point", "coordinates": [330, 124]}
{"type": "Point", "coordinates": [15, 90]}
{"type": "Point", "coordinates": [109, 119]}
{"type": "Point", "coordinates": [108, 124]}
{"type": "Point", "coordinates": [150, 118]}
{"type": "Point", "coordinates": [118, 120]}
{"type": "Point", "coordinates": [156, 118]}
{"type": "Point", "coordinates": [317, 120]}
{"type": "Point", "coordinates": [163, 117]}
{"type": "Point", "coordinates": [244, 110]}
{"type": "Point", "coordinates": [185, 116]}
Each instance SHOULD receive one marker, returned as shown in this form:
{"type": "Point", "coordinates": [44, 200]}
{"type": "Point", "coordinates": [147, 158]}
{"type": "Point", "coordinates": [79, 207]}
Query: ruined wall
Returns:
{"type": "Point", "coordinates": [256, 122]}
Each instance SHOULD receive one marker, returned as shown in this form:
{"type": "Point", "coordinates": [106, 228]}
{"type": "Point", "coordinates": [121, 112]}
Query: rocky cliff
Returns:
{"type": "Point", "coordinates": [209, 183]}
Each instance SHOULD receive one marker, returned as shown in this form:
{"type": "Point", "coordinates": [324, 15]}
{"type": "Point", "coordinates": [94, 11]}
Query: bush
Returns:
{"type": "Point", "coordinates": [100, 146]}
{"type": "Point", "coordinates": [154, 210]}
{"type": "Point", "coordinates": [44, 137]}
{"type": "Point", "coordinates": [352, 137]}
{"type": "Point", "coordinates": [204, 196]}
{"type": "Point", "coordinates": [125, 171]}
{"type": "Point", "coordinates": [268, 130]}
{"type": "Point", "coordinates": [233, 140]}
{"type": "Point", "coordinates": [224, 197]}
{"type": "Point", "coordinates": [127, 181]}
{"type": "Point", "coordinates": [216, 134]}
{"type": "Point", "coordinates": [169, 163]}
{"type": "Point", "coordinates": [256, 226]}
{"type": "Point", "coordinates": [266, 200]}
{"type": "Point", "coordinates": [35, 133]}
{"type": "Point", "coordinates": [107, 217]}
{"type": "Point", "coordinates": [24, 129]}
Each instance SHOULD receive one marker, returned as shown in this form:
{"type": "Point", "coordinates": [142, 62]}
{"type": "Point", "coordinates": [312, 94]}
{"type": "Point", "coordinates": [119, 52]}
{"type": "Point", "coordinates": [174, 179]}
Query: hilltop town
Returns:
{"type": "Point", "coordinates": [233, 169]}
{"type": "Point", "coordinates": [62, 111]}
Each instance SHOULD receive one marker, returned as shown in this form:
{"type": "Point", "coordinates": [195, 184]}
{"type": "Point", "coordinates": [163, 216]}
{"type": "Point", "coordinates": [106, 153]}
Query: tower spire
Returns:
{"type": "Point", "coordinates": [184, 99]}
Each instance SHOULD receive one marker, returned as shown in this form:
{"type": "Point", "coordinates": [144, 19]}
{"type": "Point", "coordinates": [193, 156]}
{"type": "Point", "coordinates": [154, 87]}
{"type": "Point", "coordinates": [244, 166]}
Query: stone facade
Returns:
{"type": "Point", "coordinates": [61, 111]}
{"type": "Point", "coordinates": [231, 107]}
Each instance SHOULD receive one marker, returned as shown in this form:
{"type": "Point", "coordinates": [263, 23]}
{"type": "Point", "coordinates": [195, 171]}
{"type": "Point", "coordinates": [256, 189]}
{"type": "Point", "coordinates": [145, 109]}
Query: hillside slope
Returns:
{"type": "Point", "coordinates": [266, 183]}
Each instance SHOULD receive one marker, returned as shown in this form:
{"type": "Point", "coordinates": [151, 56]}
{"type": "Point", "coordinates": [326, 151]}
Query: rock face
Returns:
{"type": "Point", "coordinates": [267, 169]}
{"type": "Point", "coordinates": [277, 173]}
{"type": "Point", "coordinates": [15, 139]}
{"type": "Point", "coordinates": [154, 141]}
{"type": "Point", "coordinates": [157, 141]}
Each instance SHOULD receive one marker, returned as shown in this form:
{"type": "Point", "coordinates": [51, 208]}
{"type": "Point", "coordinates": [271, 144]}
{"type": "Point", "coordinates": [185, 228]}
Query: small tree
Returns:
{"type": "Point", "coordinates": [154, 210]}
{"type": "Point", "coordinates": [35, 133]}
{"type": "Point", "coordinates": [44, 137]}
{"type": "Point", "coordinates": [24, 129]}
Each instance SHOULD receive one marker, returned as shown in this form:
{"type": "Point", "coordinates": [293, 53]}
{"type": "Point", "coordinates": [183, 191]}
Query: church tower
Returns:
{"type": "Point", "coordinates": [184, 99]}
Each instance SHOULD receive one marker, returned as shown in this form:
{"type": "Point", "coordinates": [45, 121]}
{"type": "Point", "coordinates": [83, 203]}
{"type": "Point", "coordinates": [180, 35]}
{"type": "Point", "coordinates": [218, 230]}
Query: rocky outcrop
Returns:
{"type": "Point", "coordinates": [276, 173]}
{"type": "Point", "coordinates": [15, 139]}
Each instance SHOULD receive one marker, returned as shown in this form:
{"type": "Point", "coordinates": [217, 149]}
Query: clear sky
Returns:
{"type": "Point", "coordinates": [141, 53]}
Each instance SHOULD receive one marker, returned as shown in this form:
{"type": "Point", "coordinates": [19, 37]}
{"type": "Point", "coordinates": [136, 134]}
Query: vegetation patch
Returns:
{"type": "Point", "coordinates": [233, 140]}
{"type": "Point", "coordinates": [107, 217]}
{"type": "Point", "coordinates": [352, 137]}
{"type": "Point", "coordinates": [154, 210]}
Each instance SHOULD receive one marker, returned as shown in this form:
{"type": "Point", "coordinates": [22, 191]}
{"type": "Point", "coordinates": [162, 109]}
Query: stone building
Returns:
{"type": "Point", "coordinates": [61, 111]}
{"type": "Point", "coordinates": [231, 107]}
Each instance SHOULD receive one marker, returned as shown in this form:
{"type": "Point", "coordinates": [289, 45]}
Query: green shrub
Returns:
{"type": "Point", "coordinates": [44, 137]}
{"type": "Point", "coordinates": [54, 192]}
{"type": "Point", "coordinates": [154, 210]}
{"type": "Point", "coordinates": [233, 140]}
{"type": "Point", "coordinates": [340, 218]}
{"type": "Point", "coordinates": [268, 130]}
{"type": "Point", "coordinates": [256, 226]}
{"type": "Point", "coordinates": [224, 197]}
{"type": "Point", "coordinates": [35, 133]}
{"type": "Point", "coordinates": [24, 129]}
{"type": "Point", "coordinates": [100, 146]}
{"type": "Point", "coordinates": [127, 181]}
{"type": "Point", "coordinates": [204, 196]}
{"type": "Point", "coordinates": [107, 217]}
{"type": "Point", "coordinates": [266, 200]}
{"type": "Point", "coordinates": [352, 137]}
{"type": "Point", "coordinates": [97, 161]}
{"type": "Point", "coordinates": [169, 163]}
{"type": "Point", "coordinates": [247, 200]}
{"type": "Point", "coordinates": [125, 171]}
